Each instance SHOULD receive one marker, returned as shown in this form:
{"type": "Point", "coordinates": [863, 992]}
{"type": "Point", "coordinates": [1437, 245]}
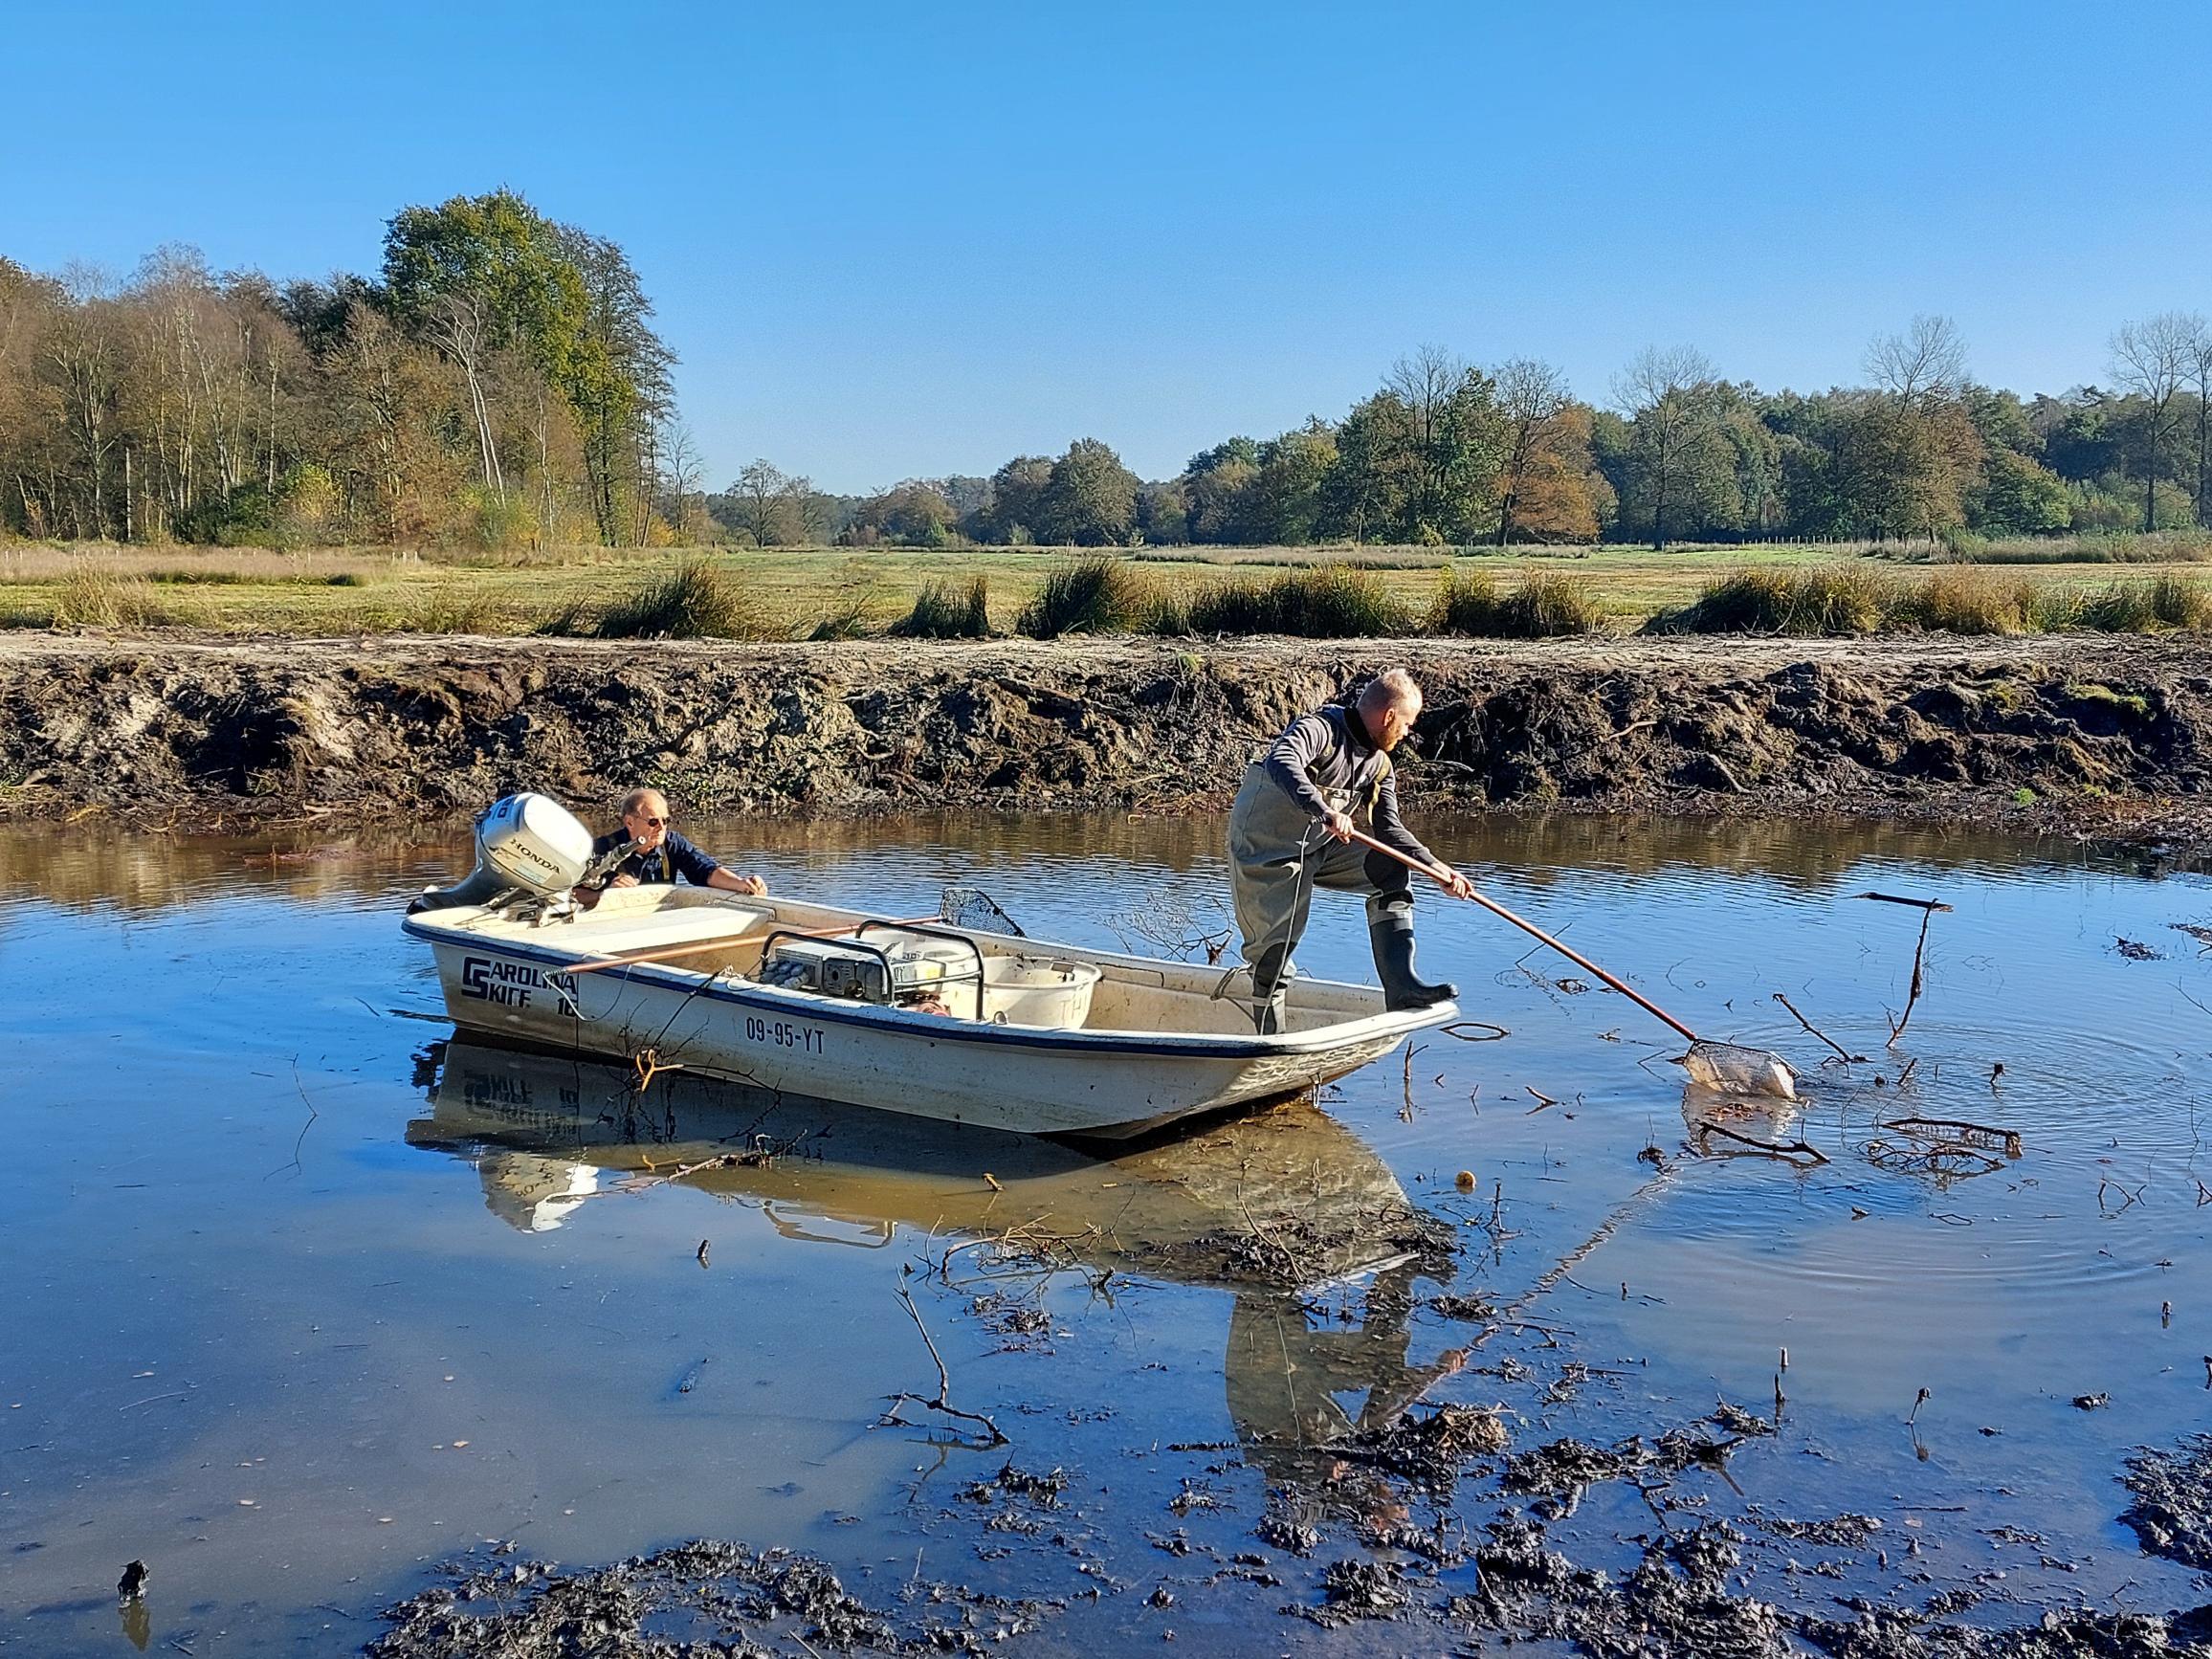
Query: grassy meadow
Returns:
{"type": "Point", "coordinates": [825, 592]}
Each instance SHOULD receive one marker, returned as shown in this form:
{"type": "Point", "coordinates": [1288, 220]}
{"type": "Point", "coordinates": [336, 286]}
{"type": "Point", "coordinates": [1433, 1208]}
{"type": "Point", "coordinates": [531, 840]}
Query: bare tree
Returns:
{"type": "Point", "coordinates": [761, 494]}
{"type": "Point", "coordinates": [2150, 360]}
{"type": "Point", "coordinates": [2199, 374]}
{"type": "Point", "coordinates": [458, 323]}
{"type": "Point", "coordinates": [682, 469]}
{"type": "Point", "coordinates": [1532, 396]}
{"type": "Point", "coordinates": [1659, 391]}
{"type": "Point", "coordinates": [1922, 367]}
{"type": "Point", "coordinates": [796, 509]}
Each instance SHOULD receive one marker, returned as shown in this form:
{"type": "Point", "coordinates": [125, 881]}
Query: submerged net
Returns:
{"type": "Point", "coordinates": [1736, 1070]}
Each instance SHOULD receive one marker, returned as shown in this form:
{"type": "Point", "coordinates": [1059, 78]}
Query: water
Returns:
{"type": "Point", "coordinates": [292, 1312]}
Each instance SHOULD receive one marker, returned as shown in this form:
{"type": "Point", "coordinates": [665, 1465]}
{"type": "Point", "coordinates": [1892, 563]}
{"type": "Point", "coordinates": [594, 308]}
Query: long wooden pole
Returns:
{"type": "Point", "coordinates": [1443, 879]}
{"type": "Point", "coordinates": [631, 958]}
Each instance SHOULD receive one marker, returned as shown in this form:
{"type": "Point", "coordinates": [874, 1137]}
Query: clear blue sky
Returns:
{"type": "Point", "coordinates": [895, 240]}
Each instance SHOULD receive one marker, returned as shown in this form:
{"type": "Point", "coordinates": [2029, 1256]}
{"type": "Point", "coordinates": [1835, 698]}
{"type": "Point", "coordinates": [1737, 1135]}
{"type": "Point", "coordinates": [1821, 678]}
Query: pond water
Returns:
{"type": "Point", "coordinates": [298, 1304]}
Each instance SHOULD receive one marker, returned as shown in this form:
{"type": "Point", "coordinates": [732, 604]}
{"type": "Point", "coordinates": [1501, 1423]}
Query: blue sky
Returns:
{"type": "Point", "coordinates": [897, 241]}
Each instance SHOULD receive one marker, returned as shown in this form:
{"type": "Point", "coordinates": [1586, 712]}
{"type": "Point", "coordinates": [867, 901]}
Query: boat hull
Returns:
{"type": "Point", "coordinates": [1029, 1079]}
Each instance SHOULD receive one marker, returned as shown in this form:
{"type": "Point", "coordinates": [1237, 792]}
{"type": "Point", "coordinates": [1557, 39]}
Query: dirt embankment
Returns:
{"type": "Point", "coordinates": [2107, 736]}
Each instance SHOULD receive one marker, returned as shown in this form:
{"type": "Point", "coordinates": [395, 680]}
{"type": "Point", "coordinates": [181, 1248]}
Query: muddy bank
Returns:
{"type": "Point", "coordinates": [2081, 733]}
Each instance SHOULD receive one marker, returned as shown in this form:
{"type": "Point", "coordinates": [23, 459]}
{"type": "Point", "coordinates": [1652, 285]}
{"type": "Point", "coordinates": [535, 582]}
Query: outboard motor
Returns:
{"type": "Point", "coordinates": [524, 844]}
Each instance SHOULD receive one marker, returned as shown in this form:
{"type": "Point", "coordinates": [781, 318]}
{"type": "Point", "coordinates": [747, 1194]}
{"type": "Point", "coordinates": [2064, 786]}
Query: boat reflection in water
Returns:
{"type": "Point", "coordinates": [1275, 1207]}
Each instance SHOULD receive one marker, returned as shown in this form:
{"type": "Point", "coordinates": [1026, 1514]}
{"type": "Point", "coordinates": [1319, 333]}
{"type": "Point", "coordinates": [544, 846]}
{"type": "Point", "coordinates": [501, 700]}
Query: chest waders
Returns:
{"type": "Point", "coordinates": [1278, 855]}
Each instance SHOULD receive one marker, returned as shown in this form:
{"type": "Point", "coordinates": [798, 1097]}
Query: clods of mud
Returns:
{"type": "Point", "coordinates": [2173, 1508]}
{"type": "Point", "coordinates": [701, 1597]}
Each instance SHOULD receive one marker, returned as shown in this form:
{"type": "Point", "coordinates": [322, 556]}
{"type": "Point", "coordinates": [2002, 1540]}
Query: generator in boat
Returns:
{"type": "Point", "coordinates": [907, 1014]}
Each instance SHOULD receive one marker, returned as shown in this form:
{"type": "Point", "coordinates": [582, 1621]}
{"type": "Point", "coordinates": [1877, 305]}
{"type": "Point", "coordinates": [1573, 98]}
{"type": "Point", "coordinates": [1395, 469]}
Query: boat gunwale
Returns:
{"type": "Point", "coordinates": [903, 1022]}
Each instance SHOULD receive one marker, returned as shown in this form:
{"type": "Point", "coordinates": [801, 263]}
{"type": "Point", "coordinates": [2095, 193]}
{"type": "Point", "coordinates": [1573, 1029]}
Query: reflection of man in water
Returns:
{"type": "Point", "coordinates": [530, 1193]}
{"type": "Point", "coordinates": [1286, 1378]}
{"type": "Point", "coordinates": [659, 854]}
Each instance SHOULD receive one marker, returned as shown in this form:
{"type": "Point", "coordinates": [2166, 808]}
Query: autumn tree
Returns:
{"type": "Point", "coordinates": [1532, 403]}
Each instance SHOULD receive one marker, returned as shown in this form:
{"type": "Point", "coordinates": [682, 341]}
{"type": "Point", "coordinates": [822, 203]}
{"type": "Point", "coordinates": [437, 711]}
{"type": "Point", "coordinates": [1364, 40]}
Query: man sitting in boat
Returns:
{"type": "Point", "coordinates": [658, 853]}
{"type": "Point", "coordinates": [1291, 831]}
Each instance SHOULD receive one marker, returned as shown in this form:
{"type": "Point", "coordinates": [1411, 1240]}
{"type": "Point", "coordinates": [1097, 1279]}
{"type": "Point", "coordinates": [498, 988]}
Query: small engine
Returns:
{"type": "Point", "coordinates": [893, 969]}
{"type": "Point", "coordinates": [527, 844]}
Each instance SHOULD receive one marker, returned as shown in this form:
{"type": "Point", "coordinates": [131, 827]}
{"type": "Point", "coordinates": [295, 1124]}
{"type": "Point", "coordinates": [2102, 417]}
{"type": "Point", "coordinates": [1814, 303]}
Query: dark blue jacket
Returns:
{"type": "Point", "coordinates": [675, 856]}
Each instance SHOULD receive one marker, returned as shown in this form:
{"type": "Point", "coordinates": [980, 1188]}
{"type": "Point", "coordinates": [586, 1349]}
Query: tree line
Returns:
{"type": "Point", "coordinates": [497, 383]}
{"type": "Point", "coordinates": [1446, 452]}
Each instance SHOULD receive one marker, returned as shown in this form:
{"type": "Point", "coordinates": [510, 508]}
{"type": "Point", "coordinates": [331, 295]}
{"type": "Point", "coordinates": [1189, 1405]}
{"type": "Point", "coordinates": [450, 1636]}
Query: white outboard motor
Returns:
{"type": "Point", "coordinates": [526, 843]}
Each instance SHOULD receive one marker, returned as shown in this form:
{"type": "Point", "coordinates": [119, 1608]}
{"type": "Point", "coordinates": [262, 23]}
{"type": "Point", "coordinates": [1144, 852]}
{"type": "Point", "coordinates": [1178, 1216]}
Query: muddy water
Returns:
{"type": "Point", "coordinates": [298, 1304]}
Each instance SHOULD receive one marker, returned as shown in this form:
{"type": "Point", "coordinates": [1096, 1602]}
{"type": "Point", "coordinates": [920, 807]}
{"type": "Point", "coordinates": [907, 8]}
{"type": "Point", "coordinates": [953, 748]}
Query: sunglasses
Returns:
{"type": "Point", "coordinates": [651, 823]}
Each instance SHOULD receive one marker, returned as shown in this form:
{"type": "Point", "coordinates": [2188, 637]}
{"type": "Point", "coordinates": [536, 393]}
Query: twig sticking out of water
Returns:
{"type": "Point", "coordinates": [943, 1378]}
{"type": "Point", "coordinates": [649, 1065]}
{"type": "Point", "coordinates": [1918, 1399]}
{"type": "Point", "coordinates": [1840, 1052]}
{"type": "Point", "coordinates": [1927, 907]}
{"type": "Point", "coordinates": [1788, 1153]}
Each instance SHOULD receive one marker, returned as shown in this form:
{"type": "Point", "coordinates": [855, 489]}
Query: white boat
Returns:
{"type": "Point", "coordinates": [1034, 1037]}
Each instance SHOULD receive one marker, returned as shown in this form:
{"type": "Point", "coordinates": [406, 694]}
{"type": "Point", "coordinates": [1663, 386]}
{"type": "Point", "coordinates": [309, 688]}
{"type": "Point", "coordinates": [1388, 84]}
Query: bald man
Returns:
{"type": "Point", "coordinates": [658, 853]}
{"type": "Point", "coordinates": [1291, 830]}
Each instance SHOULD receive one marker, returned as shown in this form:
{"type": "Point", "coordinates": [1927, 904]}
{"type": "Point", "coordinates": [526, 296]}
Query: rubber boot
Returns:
{"type": "Point", "coordinates": [1393, 940]}
{"type": "Point", "coordinates": [1270, 990]}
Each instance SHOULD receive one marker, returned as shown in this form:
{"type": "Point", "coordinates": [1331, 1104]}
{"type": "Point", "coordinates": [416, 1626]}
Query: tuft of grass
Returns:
{"type": "Point", "coordinates": [849, 621]}
{"type": "Point", "coordinates": [455, 610]}
{"type": "Point", "coordinates": [2145, 604]}
{"type": "Point", "coordinates": [91, 597]}
{"type": "Point", "coordinates": [1101, 594]}
{"type": "Point", "coordinates": [694, 601]}
{"type": "Point", "coordinates": [1324, 602]}
{"type": "Point", "coordinates": [1548, 605]}
{"type": "Point", "coordinates": [1967, 601]}
{"type": "Point", "coordinates": [942, 612]}
{"type": "Point", "coordinates": [1820, 599]}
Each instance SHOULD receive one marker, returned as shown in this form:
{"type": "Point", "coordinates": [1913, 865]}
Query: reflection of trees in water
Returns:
{"type": "Point", "coordinates": [87, 864]}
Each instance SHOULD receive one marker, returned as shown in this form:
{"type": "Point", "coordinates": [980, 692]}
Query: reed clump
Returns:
{"type": "Point", "coordinates": [1547, 605]}
{"type": "Point", "coordinates": [1332, 601]}
{"type": "Point", "coordinates": [89, 597]}
{"type": "Point", "coordinates": [697, 600]}
{"type": "Point", "coordinates": [942, 610]}
{"type": "Point", "coordinates": [1101, 594]}
{"type": "Point", "coordinates": [1822, 599]}
{"type": "Point", "coordinates": [1971, 601]}
{"type": "Point", "coordinates": [2145, 605]}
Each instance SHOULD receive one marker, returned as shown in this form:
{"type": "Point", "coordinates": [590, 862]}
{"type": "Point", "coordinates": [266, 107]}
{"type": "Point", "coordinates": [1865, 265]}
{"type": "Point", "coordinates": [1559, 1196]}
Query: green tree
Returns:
{"type": "Point", "coordinates": [2017, 496]}
{"type": "Point", "coordinates": [1088, 499]}
{"type": "Point", "coordinates": [1014, 511]}
{"type": "Point", "coordinates": [484, 275]}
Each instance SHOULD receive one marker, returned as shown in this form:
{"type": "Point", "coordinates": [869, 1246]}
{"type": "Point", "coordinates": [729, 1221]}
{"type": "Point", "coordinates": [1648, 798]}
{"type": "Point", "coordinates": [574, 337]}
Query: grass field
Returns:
{"type": "Point", "coordinates": [369, 590]}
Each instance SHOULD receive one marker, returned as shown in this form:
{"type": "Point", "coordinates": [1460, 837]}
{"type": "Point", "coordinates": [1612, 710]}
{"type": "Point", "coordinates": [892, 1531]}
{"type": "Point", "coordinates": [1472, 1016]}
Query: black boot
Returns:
{"type": "Point", "coordinates": [1270, 989]}
{"type": "Point", "coordinates": [1393, 940]}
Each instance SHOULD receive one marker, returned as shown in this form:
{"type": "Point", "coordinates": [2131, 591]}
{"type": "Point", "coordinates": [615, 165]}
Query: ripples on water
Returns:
{"type": "Point", "coordinates": [288, 1319]}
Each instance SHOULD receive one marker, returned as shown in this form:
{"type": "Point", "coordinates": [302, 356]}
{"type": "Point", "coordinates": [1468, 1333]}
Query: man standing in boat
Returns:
{"type": "Point", "coordinates": [658, 853]}
{"type": "Point", "coordinates": [1291, 831]}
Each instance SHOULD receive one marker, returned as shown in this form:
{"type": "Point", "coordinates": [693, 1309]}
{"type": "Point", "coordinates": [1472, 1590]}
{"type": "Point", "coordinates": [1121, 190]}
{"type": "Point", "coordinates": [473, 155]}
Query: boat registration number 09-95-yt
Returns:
{"type": "Point", "coordinates": [783, 1033]}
